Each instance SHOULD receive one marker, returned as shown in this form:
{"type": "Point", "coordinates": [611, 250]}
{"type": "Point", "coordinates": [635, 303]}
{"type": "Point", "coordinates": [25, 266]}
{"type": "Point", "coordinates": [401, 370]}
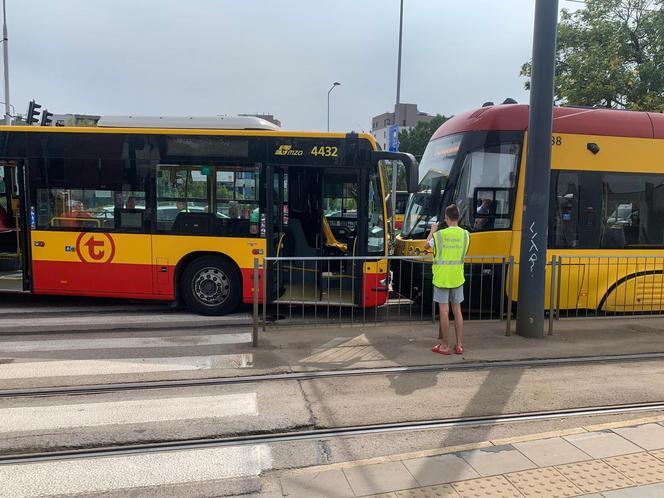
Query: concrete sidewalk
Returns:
{"type": "Point", "coordinates": [333, 347]}
{"type": "Point", "coordinates": [194, 347]}
{"type": "Point", "coordinates": [617, 460]}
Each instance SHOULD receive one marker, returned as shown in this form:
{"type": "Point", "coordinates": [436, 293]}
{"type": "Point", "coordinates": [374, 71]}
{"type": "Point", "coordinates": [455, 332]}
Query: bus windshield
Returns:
{"type": "Point", "coordinates": [435, 169]}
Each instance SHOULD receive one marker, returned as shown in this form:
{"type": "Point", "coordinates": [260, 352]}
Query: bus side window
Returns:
{"type": "Point", "coordinates": [236, 197]}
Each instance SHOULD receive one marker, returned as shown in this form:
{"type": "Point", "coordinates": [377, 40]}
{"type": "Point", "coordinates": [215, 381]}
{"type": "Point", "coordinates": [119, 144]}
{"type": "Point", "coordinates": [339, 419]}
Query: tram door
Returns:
{"type": "Point", "coordinates": [12, 228]}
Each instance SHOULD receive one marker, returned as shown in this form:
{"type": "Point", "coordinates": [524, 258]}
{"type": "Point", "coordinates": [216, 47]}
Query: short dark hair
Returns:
{"type": "Point", "coordinates": [452, 212]}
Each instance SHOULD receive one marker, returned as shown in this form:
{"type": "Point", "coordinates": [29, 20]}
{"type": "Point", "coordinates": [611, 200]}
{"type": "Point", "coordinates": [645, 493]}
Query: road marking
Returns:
{"type": "Point", "coordinates": [69, 368]}
{"type": "Point", "coordinates": [117, 321]}
{"type": "Point", "coordinates": [36, 418]}
{"type": "Point", "coordinates": [95, 475]}
{"type": "Point", "coordinates": [123, 342]}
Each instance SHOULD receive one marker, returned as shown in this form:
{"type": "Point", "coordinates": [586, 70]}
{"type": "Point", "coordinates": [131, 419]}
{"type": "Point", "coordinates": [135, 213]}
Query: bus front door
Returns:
{"type": "Point", "coordinates": [12, 229]}
{"type": "Point", "coordinates": [312, 225]}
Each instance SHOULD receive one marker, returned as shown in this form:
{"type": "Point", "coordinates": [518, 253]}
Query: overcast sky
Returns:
{"type": "Point", "coordinates": [209, 57]}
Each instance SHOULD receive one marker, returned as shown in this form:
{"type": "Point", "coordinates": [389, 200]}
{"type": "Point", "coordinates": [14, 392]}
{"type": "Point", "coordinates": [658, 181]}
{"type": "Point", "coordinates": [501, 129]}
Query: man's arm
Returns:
{"type": "Point", "coordinates": [434, 228]}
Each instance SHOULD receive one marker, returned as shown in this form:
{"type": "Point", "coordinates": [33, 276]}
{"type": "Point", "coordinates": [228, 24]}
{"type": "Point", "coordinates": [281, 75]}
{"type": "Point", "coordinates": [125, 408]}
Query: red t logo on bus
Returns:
{"type": "Point", "coordinates": [95, 247]}
{"type": "Point", "coordinates": [92, 245]}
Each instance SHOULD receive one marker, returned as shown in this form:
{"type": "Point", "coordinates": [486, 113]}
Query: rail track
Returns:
{"type": "Point", "coordinates": [313, 434]}
{"type": "Point", "coordinates": [322, 374]}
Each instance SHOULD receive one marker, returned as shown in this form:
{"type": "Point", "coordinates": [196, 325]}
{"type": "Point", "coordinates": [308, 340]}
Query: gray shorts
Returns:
{"type": "Point", "coordinates": [445, 296]}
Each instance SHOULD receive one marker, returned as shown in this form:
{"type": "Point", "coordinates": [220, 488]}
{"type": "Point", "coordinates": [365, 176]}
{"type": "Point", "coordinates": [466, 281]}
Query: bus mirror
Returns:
{"type": "Point", "coordinates": [409, 162]}
{"type": "Point", "coordinates": [412, 174]}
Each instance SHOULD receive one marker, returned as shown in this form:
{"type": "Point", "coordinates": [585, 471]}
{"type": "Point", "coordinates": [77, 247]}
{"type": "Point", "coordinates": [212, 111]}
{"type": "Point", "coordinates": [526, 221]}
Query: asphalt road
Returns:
{"type": "Point", "coordinates": [58, 357]}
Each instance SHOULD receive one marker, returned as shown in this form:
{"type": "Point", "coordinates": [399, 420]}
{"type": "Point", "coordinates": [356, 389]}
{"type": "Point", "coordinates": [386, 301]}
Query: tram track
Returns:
{"type": "Point", "coordinates": [328, 433]}
{"type": "Point", "coordinates": [322, 374]}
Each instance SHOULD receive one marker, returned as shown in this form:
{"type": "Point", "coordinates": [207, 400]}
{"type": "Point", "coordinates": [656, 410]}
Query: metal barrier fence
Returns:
{"type": "Point", "coordinates": [622, 286]}
{"type": "Point", "coordinates": [371, 290]}
{"type": "Point", "coordinates": [380, 290]}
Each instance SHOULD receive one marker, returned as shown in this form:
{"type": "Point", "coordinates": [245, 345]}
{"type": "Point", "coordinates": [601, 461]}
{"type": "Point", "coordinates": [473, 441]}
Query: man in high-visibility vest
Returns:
{"type": "Point", "coordinates": [450, 247]}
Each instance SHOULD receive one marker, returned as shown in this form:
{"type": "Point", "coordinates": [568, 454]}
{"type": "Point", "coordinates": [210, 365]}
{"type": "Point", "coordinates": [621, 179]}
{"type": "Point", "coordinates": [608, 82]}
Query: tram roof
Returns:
{"type": "Point", "coordinates": [573, 120]}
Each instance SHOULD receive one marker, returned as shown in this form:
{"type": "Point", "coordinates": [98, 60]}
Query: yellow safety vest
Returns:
{"type": "Point", "coordinates": [450, 248]}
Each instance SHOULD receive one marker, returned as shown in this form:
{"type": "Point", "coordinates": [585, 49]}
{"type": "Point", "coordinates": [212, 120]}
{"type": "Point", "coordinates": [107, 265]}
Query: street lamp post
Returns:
{"type": "Point", "coordinates": [336, 83]}
{"type": "Point", "coordinates": [8, 119]}
{"type": "Point", "coordinates": [396, 111]}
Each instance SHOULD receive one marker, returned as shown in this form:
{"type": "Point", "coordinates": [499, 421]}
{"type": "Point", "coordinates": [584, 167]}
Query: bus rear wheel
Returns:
{"type": "Point", "coordinates": [211, 285]}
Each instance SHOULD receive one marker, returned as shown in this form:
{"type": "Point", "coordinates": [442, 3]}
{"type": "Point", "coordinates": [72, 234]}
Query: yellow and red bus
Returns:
{"type": "Point", "coordinates": [606, 191]}
{"type": "Point", "coordinates": [147, 209]}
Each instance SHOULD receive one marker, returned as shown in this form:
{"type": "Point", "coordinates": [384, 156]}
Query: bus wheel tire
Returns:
{"type": "Point", "coordinates": [211, 285]}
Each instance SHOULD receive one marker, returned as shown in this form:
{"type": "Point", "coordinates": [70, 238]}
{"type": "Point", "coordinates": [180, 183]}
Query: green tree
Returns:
{"type": "Point", "coordinates": [416, 139]}
{"type": "Point", "coordinates": [611, 54]}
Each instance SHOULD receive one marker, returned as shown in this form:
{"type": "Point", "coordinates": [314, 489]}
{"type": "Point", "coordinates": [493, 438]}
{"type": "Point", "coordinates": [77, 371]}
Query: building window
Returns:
{"type": "Point", "coordinates": [387, 122]}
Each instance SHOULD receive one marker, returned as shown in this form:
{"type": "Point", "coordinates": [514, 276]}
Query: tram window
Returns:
{"type": "Point", "coordinates": [493, 167]}
{"type": "Point", "coordinates": [632, 211]}
{"type": "Point", "coordinates": [566, 211]}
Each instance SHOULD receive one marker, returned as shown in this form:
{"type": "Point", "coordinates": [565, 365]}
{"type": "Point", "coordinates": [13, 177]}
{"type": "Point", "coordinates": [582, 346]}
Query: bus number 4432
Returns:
{"type": "Point", "coordinates": [324, 151]}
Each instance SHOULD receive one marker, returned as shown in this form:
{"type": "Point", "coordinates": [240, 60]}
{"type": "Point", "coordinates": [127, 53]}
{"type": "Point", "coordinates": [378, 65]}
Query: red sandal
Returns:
{"type": "Point", "coordinates": [458, 349]}
{"type": "Point", "coordinates": [438, 348]}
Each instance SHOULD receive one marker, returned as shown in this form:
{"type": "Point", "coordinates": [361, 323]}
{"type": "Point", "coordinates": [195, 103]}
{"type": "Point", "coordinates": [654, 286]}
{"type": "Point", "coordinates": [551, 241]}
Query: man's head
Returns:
{"type": "Point", "coordinates": [452, 214]}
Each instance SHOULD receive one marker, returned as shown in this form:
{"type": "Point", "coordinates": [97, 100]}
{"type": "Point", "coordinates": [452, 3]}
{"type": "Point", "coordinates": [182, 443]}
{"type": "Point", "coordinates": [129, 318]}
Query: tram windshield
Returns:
{"type": "Point", "coordinates": [435, 167]}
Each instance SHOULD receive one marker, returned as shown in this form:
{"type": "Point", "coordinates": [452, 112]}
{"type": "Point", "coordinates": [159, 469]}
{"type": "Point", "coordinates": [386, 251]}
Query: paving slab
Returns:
{"type": "Point", "coordinates": [594, 476]}
{"type": "Point", "coordinates": [543, 482]}
{"type": "Point", "coordinates": [602, 444]}
{"type": "Point", "coordinates": [487, 487]}
{"type": "Point", "coordinates": [330, 484]}
{"type": "Point", "coordinates": [440, 469]}
{"type": "Point", "coordinates": [497, 460]}
{"type": "Point", "coordinates": [438, 491]}
{"type": "Point", "coordinates": [553, 451]}
{"type": "Point", "coordinates": [650, 491]}
{"type": "Point", "coordinates": [379, 478]}
{"type": "Point", "coordinates": [647, 436]}
{"type": "Point", "coordinates": [642, 468]}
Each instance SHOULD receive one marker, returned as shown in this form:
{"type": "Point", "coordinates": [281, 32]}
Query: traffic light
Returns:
{"type": "Point", "coordinates": [47, 118]}
{"type": "Point", "coordinates": [31, 116]}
